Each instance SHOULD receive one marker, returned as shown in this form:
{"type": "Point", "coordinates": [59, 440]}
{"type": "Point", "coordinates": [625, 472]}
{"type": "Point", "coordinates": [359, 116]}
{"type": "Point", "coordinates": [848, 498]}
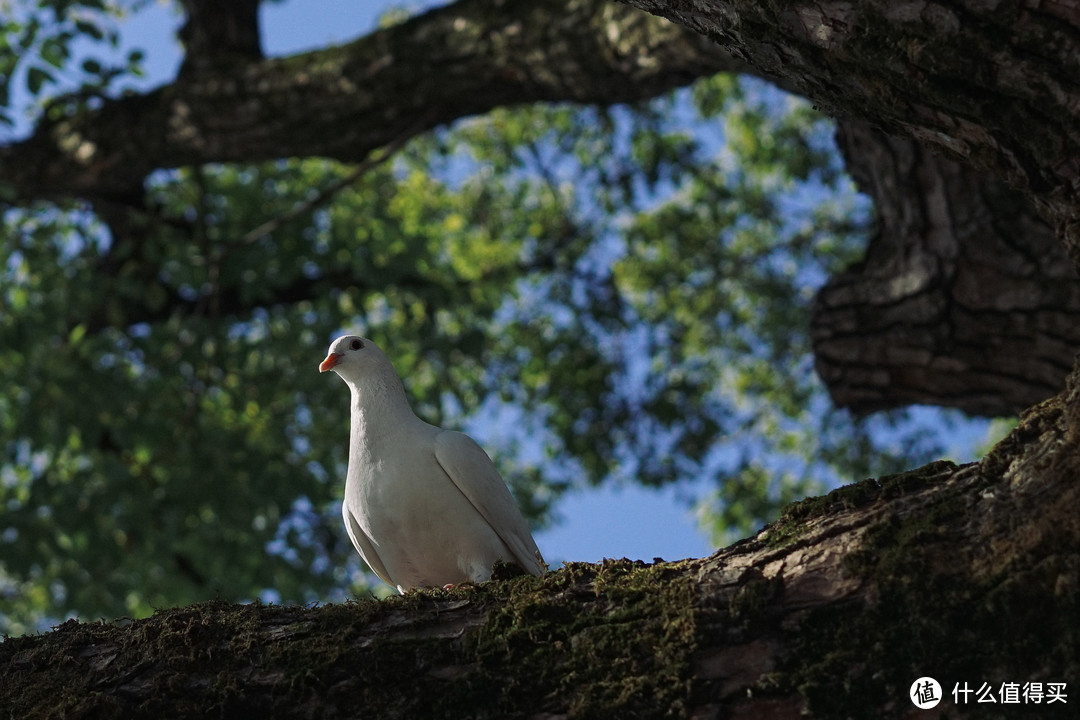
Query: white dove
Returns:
{"type": "Point", "coordinates": [424, 506]}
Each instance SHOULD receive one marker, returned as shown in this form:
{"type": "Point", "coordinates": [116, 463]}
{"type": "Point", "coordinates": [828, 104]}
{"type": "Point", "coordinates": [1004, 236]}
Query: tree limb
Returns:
{"type": "Point", "coordinates": [992, 84]}
{"type": "Point", "coordinates": [217, 32]}
{"type": "Point", "coordinates": [965, 297]}
{"type": "Point", "coordinates": [343, 102]}
{"type": "Point", "coordinates": [965, 573]}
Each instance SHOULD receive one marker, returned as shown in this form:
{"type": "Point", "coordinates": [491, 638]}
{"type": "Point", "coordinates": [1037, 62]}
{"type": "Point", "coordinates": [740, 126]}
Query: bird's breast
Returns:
{"type": "Point", "coordinates": [425, 530]}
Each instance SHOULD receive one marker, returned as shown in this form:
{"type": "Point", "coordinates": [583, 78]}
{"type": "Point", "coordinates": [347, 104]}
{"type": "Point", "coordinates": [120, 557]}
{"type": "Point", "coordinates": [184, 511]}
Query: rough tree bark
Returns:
{"type": "Point", "coordinates": [993, 84]}
{"type": "Point", "coordinates": [968, 574]}
{"type": "Point", "coordinates": [965, 297]}
{"type": "Point", "coordinates": [957, 258]}
{"type": "Point", "coordinates": [464, 59]}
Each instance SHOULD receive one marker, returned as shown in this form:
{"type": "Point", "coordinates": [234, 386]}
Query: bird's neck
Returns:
{"type": "Point", "coordinates": [380, 410]}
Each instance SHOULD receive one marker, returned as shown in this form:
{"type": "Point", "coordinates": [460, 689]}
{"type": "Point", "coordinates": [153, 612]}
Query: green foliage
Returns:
{"type": "Point", "coordinates": [603, 295]}
{"type": "Point", "coordinates": [40, 42]}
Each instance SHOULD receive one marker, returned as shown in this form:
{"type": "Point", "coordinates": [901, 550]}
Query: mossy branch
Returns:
{"type": "Point", "coordinates": [968, 573]}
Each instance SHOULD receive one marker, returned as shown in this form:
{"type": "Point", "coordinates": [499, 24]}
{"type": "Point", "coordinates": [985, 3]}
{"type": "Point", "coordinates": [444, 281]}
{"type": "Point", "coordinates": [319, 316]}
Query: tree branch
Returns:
{"type": "Point", "coordinates": [217, 32]}
{"type": "Point", "coordinates": [991, 84]}
{"type": "Point", "coordinates": [965, 298]}
{"type": "Point", "coordinates": [961, 573]}
{"type": "Point", "coordinates": [343, 102]}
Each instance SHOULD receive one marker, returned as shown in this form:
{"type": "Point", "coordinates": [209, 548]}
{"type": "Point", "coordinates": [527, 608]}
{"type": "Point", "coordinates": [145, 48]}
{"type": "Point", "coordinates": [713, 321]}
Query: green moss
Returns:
{"type": "Point", "coordinates": [608, 640]}
{"type": "Point", "coordinates": [621, 648]}
{"type": "Point", "coordinates": [942, 606]}
{"type": "Point", "coordinates": [794, 519]}
{"type": "Point", "coordinates": [1033, 423]}
{"type": "Point", "coordinates": [950, 627]}
{"type": "Point", "coordinates": [933, 614]}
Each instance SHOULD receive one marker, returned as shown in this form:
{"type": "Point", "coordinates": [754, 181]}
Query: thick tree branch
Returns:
{"type": "Point", "coordinates": [342, 102]}
{"type": "Point", "coordinates": [992, 84]}
{"type": "Point", "coordinates": [967, 574]}
{"type": "Point", "coordinates": [965, 298]}
{"type": "Point", "coordinates": [217, 32]}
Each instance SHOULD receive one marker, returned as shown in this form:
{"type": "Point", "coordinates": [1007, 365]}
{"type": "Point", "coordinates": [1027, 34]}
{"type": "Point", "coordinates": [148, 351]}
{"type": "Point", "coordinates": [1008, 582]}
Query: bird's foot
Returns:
{"type": "Point", "coordinates": [459, 586]}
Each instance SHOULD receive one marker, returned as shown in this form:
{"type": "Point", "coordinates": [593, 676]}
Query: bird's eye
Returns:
{"type": "Point", "coordinates": [356, 344]}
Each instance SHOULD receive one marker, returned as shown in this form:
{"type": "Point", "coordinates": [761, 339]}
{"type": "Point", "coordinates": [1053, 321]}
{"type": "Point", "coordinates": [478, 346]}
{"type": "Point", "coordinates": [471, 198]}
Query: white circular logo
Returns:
{"type": "Point", "coordinates": [925, 693]}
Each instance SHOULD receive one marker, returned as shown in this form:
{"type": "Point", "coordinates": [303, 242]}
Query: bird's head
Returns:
{"type": "Point", "coordinates": [354, 358]}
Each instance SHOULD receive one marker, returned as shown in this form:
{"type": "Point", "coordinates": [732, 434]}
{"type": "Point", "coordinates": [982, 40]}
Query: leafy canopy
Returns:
{"type": "Point", "coordinates": [48, 44]}
{"type": "Point", "coordinates": [599, 294]}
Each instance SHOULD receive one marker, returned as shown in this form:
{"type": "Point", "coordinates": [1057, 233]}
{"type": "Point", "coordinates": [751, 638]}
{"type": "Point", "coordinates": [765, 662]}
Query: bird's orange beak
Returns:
{"type": "Point", "coordinates": [331, 360]}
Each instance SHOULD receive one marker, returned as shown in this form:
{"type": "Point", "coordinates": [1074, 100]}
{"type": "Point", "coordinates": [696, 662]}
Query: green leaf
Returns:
{"type": "Point", "coordinates": [55, 51]}
{"type": "Point", "coordinates": [29, 33]}
{"type": "Point", "coordinates": [77, 334]}
{"type": "Point", "coordinates": [90, 29]}
{"type": "Point", "coordinates": [36, 77]}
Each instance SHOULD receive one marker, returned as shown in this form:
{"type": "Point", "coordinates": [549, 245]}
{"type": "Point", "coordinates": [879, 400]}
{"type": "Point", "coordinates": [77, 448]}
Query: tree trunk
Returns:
{"type": "Point", "coordinates": [965, 298]}
{"type": "Point", "coordinates": [965, 574]}
{"type": "Point", "coordinates": [217, 32]}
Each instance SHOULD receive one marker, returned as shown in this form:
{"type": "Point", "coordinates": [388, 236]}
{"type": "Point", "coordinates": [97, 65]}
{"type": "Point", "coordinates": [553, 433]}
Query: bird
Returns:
{"type": "Point", "coordinates": [425, 507]}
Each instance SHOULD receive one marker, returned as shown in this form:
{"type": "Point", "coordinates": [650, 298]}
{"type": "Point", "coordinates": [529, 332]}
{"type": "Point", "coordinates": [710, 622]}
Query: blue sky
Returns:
{"type": "Point", "coordinates": [625, 521]}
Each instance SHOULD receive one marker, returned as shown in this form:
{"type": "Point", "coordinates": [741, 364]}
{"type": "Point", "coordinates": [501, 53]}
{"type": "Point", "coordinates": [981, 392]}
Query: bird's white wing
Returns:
{"type": "Point", "coordinates": [472, 471]}
{"type": "Point", "coordinates": [364, 546]}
